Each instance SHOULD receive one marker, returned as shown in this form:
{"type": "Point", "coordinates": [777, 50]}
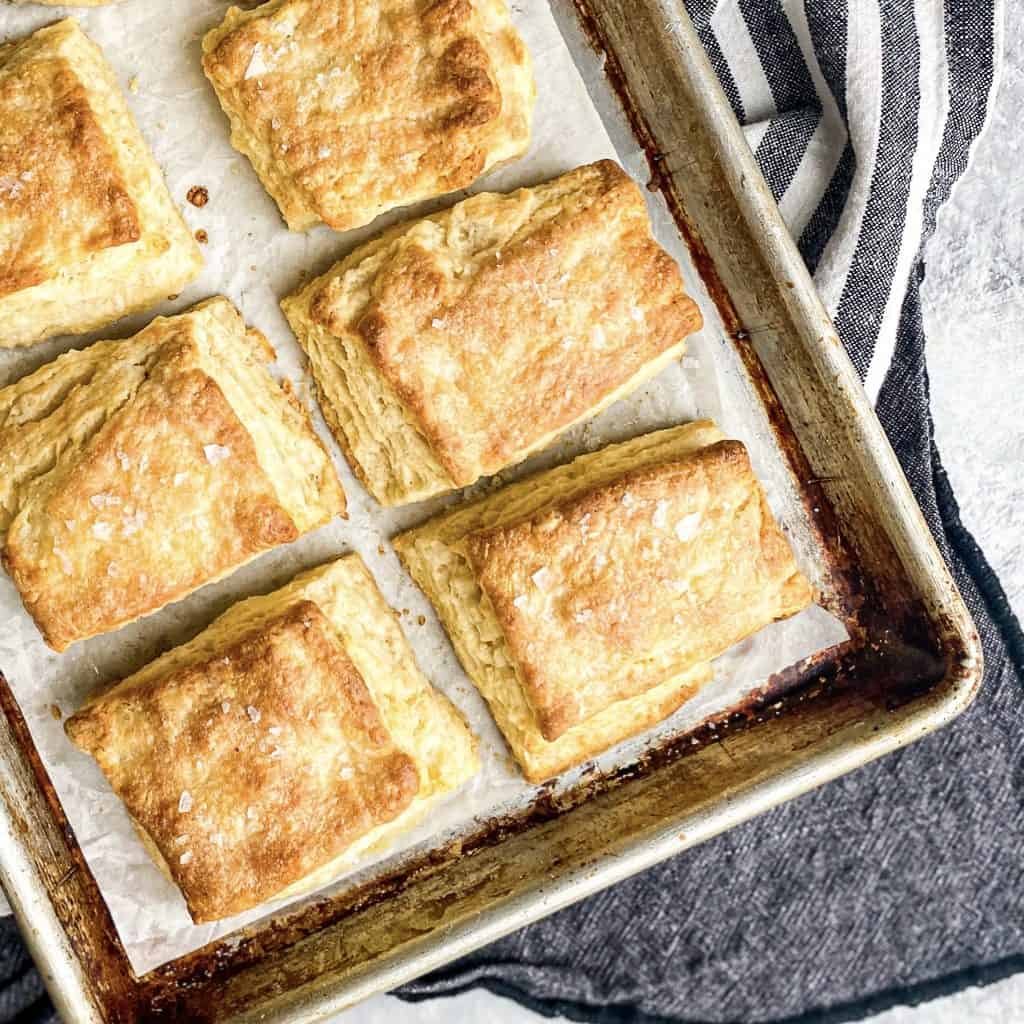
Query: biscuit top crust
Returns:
{"type": "Point", "coordinates": [62, 192]}
{"type": "Point", "coordinates": [365, 106]}
{"type": "Point", "coordinates": [503, 321]}
{"type": "Point", "coordinates": [128, 478]}
{"type": "Point", "coordinates": [254, 766]}
{"type": "Point", "coordinates": [636, 581]}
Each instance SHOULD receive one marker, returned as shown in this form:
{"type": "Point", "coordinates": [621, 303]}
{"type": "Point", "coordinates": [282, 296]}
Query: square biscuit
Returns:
{"type": "Point", "coordinates": [285, 743]}
{"type": "Point", "coordinates": [457, 345]}
{"type": "Point", "coordinates": [133, 472]}
{"type": "Point", "coordinates": [348, 110]}
{"type": "Point", "coordinates": [88, 231]}
{"type": "Point", "coordinates": [585, 602]}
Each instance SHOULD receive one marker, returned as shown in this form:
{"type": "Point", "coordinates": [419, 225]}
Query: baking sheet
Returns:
{"type": "Point", "coordinates": [254, 260]}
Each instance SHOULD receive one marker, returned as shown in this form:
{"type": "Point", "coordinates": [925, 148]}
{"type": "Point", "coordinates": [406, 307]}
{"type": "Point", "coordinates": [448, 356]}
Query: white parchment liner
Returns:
{"type": "Point", "coordinates": [253, 259]}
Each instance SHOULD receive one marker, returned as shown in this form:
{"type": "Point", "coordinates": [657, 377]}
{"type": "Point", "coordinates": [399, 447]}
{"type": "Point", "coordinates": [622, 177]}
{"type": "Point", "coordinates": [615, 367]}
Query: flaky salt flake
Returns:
{"type": "Point", "coordinates": [520, 601]}
{"type": "Point", "coordinates": [113, 570]}
{"type": "Point", "coordinates": [104, 531]}
{"type": "Point", "coordinates": [185, 802]}
{"type": "Point", "coordinates": [253, 713]}
{"type": "Point", "coordinates": [104, 500]}
{"type": "Point", "coordinates": [584, 616]}
{"type": "Point", "coordinates": [322, 78]}
{"type": "Point", "coordinates": [185, 857]}
{"type": "Point", "coordinates": [66, 565]}
{"type": "Point", "coordinates": [133, 523]}
{"type": "Point", "coordinates": [180, 478]}
{"type": "Point", "coordinates": [250, 813]}
{"type": "Point", "coordinates": [686, 528]}
{"type": "Point", "coordinates": [628, 501]}
{"type": "Point", "coordinates": [257, 63]}
{"type": "Point", "coordinates": [437, 323]}
{"type": "Point", "coordinates": [323, 152]}
{"type": "Point", "coordinates": [274, 730]}
{"type": "Point", "coordinates": [225, 706]}
{"type": "Point", "coordinates": [541, 577]}
{"type": "Point", "coordinates": [637, 314]}
{"type": "Point", "coordinates": [216, 453]}
{"type": "Point", "coordinates": [346, 773]}
{"type": "Point", "coordinates": [660, 517]}
{"type": "Point", "coordinates": [123, 460]}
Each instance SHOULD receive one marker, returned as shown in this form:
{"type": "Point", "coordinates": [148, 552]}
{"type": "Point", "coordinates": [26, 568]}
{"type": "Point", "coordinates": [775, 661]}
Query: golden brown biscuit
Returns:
{"type": "Point", "coordinates": [133, 472]}
{"type": "Point", "coordinates": [455, 346]}
{"type": "Point", "coordinates": [348, 110]}
{"type": "Point", "coordinates": [88, 231]}
{"type": "Point", "coordinates": [585, 601]}
{"type": "Point", "coordinates": [288, 740]}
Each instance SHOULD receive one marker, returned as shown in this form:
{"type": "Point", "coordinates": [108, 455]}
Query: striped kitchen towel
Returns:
{"type": "Point", "coordinates": [903, 880]}
{"type": "Point", "coordinates": [861, 114]}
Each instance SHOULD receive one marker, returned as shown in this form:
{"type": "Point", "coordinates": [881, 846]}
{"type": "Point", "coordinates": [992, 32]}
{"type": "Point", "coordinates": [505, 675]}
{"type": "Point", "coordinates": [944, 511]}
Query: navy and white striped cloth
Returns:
{"type": "Point", "coordinates": [861, 114]}
{"type": "Point", "coordinates": [902, 881]}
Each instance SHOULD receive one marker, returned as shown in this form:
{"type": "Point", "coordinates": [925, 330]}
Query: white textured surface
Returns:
{"type": "Point", "coordinates": [974, 306]}
{"type": "Point", "coordinates": [471, 1008]}
{"type": "Point", "coordinates": [1001, 1003]}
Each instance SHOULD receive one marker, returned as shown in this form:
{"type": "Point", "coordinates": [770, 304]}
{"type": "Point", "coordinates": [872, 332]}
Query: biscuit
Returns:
{"type": "Point", "coordinates": [457, 345]}
{"type": "Point", "coordinates": [281, 746]}
{"type": "Point", "coordinates": [133, 472]}
{"type": "Point", "coordinates": [88, 231]}
{"type": "Point", "coordinates": [349, 110]}
{"type": "Point", "coordinates": [585, 602]}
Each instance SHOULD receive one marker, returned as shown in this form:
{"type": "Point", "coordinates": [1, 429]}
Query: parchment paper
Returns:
{"type": "Point", "coordinates": [253, 259]}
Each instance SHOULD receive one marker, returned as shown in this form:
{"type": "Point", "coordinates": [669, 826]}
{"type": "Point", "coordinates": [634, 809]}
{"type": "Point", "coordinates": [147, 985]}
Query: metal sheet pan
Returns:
{"type": "Point", "coordinates": [912, 665]}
